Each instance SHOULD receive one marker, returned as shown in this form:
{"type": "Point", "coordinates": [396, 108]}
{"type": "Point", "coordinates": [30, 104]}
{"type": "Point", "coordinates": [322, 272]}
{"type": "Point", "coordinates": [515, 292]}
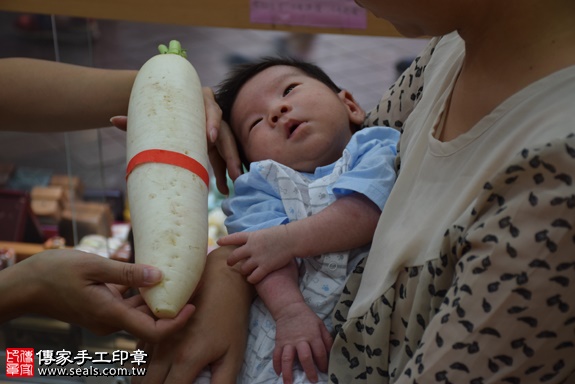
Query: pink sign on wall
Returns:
{"type": "Point", "coordinates": [312, 13]}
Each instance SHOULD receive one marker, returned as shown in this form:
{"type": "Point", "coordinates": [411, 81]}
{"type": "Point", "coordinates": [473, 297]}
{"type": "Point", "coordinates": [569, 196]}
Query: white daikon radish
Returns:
{"type": "Point", "coordinates": [167, 177]}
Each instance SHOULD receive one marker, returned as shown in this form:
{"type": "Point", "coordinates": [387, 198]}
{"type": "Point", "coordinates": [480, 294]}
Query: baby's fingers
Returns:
{"type": "Point", "coordinates": [257, 275]}
{"type": "Point", "coordinates": [238, 238]}
{"type": "Point", "coordinates": [277, 359]}
{"type": "Point", "coordinates": [238, 255]}
{"type": "Point", "coordinates": [247, 267]}
{"type": "Point", "coordinates": [287, 360]}
{"type": "Point", "coordinates": [320, 350]}
{"type": "Point", "coordinates": [305, 357]}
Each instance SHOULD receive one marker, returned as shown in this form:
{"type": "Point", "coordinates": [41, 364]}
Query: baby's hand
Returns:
{"type": "Point", "coordinates": [300, 331]}
{"type": "Point", "coordinates": [261, 252]}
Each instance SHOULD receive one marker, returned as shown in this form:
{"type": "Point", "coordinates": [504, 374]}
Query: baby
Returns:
{"type": "Point", "coordinates": [304, 213]}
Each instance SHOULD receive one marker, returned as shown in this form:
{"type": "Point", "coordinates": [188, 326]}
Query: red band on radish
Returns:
{"type": "Point", "coordinates": [168, 157]}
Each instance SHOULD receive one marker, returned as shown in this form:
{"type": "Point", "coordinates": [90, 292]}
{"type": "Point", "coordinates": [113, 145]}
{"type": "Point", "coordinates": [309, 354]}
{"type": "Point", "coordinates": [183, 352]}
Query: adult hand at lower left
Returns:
{"type": "Point", "coordinates": [81, 288]}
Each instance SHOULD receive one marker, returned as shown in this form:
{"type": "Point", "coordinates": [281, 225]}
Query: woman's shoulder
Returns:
{"type": "Point", "coordinates": [400, 99]}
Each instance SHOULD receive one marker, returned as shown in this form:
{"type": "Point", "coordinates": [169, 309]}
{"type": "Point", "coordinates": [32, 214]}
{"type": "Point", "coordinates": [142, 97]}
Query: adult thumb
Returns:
{"type": "Point", "coordinates": [127, 274]}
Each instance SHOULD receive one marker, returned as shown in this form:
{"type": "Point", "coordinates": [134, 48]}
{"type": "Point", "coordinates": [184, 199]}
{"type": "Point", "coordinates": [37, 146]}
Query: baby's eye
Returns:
{"type": "Point", "coordinates": [255, 123]}
{"type": "Point", "coordinates": [289, 89]}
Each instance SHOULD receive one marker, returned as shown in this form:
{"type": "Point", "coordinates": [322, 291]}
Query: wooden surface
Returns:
{"type": "Point", "coordinates": [209, 13]}
{"type": "Point", "coordinates": [23, 250]}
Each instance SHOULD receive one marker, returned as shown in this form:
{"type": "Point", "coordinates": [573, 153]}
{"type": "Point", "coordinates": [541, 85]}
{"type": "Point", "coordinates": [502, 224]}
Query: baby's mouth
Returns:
{"type": "Point", "coordinates": [292, 128]}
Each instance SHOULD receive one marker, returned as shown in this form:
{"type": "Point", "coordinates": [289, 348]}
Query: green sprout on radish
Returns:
{"type": "Point", "coordinates": [174, 48]}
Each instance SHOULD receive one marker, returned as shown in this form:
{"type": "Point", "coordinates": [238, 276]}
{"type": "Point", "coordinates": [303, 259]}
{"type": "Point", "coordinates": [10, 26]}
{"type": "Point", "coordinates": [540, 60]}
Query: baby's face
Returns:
{"type": "Point", "coordinates": [284, 115]}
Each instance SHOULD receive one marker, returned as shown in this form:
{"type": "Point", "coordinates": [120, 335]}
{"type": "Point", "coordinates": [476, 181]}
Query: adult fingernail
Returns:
{"type": "Point", "coordinates": [213, 135]}
{"type": "Point", "coordinates": [152, 275]}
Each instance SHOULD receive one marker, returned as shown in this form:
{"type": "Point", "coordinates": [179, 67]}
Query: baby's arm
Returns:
{"type": "Point", "coordinates": [299, 331]}
{"type": "Point", "coordinates": [346, 224]}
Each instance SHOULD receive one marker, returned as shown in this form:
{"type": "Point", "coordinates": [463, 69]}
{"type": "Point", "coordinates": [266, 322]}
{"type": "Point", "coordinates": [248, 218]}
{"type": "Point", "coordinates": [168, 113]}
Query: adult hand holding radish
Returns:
{"type": "Point", "coordinates": [222, 148]}
{"type": "Point", "coordinates": [79, 288]}
{"type": "Point", "coordinates": [167, 177]}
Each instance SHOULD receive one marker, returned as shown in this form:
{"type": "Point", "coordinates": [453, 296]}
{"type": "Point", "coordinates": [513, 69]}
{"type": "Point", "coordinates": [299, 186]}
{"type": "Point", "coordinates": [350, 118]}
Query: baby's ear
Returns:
{"type": "Point", "coordinates": [355, 112]}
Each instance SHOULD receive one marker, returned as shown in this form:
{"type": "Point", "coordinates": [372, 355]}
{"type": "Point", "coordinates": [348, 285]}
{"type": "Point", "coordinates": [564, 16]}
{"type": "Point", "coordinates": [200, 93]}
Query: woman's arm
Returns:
{"type": "Point", "coordinates": [47, 96]}
{"type": "Point", "coordinates": [215, 337]}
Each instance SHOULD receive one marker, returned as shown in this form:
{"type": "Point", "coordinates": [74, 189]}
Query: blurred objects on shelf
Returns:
{"type": "Point", "coordinates": [121, 231]}
{"type": "Point", "coordinates": [47, 203]}
{"type": "Point", "coordinates": [99, 245]}
{"type": "Point", "coordinates": [6, 171]}
{"type": "Point", "coordinates": [117, 247]}
{"type": "Point", "coordinates": [114, 197]}
{"type": "Point", "coordinates": [216, 227]}
{"type": "Point", "coordinates": [72, 185]}
{"type": "Point", "coordinates": [86, 218]}
{"type": "Point", "coordinates": [55, 242]}
{"type": "Point", "coordinates": [7, 257]}
{"type": "Point", "coordinates": [38, 204]}
{"type": "Point", "coordinates": [296, 44]}
{"type": "Point", "coordinates": [25, 178]}
{"type": "Point", "coordinates": [17, 221]}
{"type": "Point", "coordinates": [74, 30]}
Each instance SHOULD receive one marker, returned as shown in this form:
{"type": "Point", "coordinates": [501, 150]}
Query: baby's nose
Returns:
{"type": "Point", "coordinates": [276, 116]}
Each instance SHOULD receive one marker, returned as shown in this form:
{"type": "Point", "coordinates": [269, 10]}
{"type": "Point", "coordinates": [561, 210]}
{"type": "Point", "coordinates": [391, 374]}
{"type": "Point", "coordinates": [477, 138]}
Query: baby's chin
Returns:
{"type": "Point", "coordinates": [310, 167]}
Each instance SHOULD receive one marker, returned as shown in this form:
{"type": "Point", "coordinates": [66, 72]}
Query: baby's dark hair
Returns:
{"type": "Point", "coordinates": [228, 89]}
